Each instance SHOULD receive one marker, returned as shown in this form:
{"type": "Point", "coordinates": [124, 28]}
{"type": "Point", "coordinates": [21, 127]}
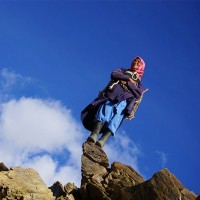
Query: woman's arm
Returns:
{"type": "Point", "coordinates": [118, 74]}
{"type": "Point", "coordinates": [135, 90]}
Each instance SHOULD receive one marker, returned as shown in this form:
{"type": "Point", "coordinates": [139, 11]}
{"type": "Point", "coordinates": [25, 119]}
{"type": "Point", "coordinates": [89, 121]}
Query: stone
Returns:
{"type": "Point", "coordinates": [187, 195]}
{"type": "Point", "coordinates": [127, 171]}
{"type": "Point", "coordinates": [68, 192]}
{"type": "Point", "coordinates": [94, 164]}
{"type": "Point", "coordinates": [95, 154]}
{"type": "Point", "coordinates": [163, 185]}
{"type": "Point", "coordinates": [69, 188]}
{"type": "Point", "coordinates": [72, 191]}
{"type": "Point", "coordinates": [25, 184]}
{"type": "Point", "coordinates": [57, 189]}
{"type": "Point", "coordinates": [3, 167]}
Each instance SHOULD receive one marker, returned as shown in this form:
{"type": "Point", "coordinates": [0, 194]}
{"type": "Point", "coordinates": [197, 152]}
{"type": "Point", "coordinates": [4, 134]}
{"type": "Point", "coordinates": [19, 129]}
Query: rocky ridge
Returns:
{"type": "Point", "coordinates": [99, 182]}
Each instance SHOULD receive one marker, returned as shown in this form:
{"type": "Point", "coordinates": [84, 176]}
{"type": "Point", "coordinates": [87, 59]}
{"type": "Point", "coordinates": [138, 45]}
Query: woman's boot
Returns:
{"type": "Point", "coordinates": [96, 130]}
{"type": "Point", "coordinates": [103, 139]}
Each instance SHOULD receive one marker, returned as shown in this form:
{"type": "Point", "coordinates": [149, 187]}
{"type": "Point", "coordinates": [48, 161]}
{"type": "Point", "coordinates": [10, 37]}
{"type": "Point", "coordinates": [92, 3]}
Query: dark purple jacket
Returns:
{"type": "Point", "coordinates": [117, 94]}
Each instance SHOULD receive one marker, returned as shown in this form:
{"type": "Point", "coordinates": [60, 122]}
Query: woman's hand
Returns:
{"type": "Point", "coordinates": [122, 82]}
{"type": "Point", "coordinates": [132, 81]}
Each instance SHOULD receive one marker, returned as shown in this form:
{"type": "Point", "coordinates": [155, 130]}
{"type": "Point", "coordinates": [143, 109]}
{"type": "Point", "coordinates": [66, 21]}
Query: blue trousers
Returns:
{"type": "Point", "coordinates": [111, 114]}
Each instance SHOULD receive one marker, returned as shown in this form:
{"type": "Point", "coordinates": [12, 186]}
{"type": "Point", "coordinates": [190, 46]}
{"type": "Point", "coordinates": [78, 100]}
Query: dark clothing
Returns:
{"type": "Point", "coordinates": [115, 94]}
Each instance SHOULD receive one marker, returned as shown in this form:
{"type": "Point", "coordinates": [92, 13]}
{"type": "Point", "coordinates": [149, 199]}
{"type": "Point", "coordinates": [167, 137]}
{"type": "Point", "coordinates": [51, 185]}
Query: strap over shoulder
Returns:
{"type": "Point", "coordinates": [135, 107]}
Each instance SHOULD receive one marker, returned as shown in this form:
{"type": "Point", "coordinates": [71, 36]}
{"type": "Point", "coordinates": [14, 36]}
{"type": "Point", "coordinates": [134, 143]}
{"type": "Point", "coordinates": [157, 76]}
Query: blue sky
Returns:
{"type": "Point", "coordinates": [55, 56]}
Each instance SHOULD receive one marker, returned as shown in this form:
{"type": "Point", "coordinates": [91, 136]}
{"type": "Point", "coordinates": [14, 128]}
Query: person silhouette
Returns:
{"type": "Point", "coordinates": [116, 102]}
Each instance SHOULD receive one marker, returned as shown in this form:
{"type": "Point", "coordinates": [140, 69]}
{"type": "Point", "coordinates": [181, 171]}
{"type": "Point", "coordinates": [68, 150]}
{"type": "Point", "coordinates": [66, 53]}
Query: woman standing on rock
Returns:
{"type": "Point", "coordinates": [118, 101]}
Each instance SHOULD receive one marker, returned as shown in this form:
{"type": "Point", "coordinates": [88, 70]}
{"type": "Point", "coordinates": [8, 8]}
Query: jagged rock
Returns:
{"type": "Point", "coordinates": [3, 167]}
{"type": "Point", "coordinates": [57, 189]}
{"type": "Point", "coordinates": [68, 192]}
{"type": "Point", "coordinates": [95, 154]}
{"type": "Point", "coordinates": [126, 174]}
{"type": "Point", "coordinates": [23, 184]}
{"type": "Point", "coordinates": [188, 195]}
{"type": "Point", "coordinates": [94, 163]}
{"type": "Point", "coordinates": [94, 168]}
{"type": "Point", "coordinates": [70, 188]}
{"type": "Point", "coordinates": [163, 185]}
{"type": "Point", "coordinates": [67, 197]}
{"type": "Point", "coordinates": [120, 179]}
{"type": "Point", "coordinates": [99, 182]}
{"type": "Point", "coordinates": [122, 182]}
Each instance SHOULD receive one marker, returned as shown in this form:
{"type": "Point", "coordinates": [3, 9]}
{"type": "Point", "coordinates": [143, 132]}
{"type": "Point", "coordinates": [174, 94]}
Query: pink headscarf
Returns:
{"type": "Point", "coordinates": [140, 69]}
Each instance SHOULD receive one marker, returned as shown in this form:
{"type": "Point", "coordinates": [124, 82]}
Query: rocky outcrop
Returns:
{"type": "Point", "coordinates": [3, 167]}
{"type": "Point", "coordinates": [163, 185]}
{"type": "Point", "coordinates": [67, 192]}
{"type": "Point", "coordinates": [99, 182]}
{"type": "Point", "coordinates": [22, 184]}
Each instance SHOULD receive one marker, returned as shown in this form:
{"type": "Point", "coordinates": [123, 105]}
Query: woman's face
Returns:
{"type": "Point", "coordinates": [136, 63]}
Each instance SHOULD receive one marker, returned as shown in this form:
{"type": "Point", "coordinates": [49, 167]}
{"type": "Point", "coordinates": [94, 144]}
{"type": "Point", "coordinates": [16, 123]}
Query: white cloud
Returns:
{"type": "Point", "coordinates": [163, 158]}
{"type": "Point", "coordinates": [12, 84]}
{"type": "Point", "coordinates": [45, 165]}
{"type": "Point", "coordinates": [42, 134]}
{"type": "Point", "coordinates": [30, 127]}
{"type": "Point", "coordinates": [9, 79]}
{"type": "Point", "coordinates": [37, 124]}
{"type": "Point", "coordinates": [122, 149]}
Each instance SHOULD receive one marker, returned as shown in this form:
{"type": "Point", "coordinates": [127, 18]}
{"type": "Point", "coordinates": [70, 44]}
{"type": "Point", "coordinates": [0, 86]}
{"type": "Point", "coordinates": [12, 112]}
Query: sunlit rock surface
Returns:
{"type": "Point", "coordinates": [98, 182]}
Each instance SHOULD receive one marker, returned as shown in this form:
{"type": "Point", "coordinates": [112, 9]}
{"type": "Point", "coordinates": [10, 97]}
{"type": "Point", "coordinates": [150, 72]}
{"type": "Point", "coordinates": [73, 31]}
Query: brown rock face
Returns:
{"type": "Point", "coordinates": [68, 192]}
{"type": "Point", "coordinates": [3, 167]}
{"type": "Point", "coordinates": [100, 182]}
{"type": "Point", "coordinates": [26, 184]}
{"type": "Point", "coordinates": [23, 184]}
{"type": "Point", "coordinates": [163, 185]}
{"type": "Point", "coordinates": [122, 182]}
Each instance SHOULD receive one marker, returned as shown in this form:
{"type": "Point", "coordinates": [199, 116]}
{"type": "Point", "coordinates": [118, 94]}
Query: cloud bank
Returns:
{"type": "Point", "coordinates": [39, 133]}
